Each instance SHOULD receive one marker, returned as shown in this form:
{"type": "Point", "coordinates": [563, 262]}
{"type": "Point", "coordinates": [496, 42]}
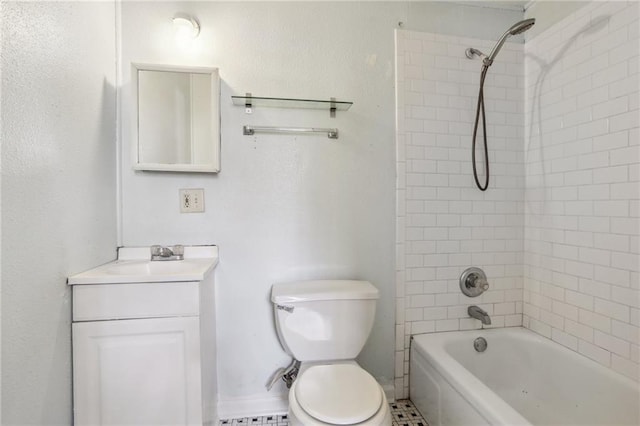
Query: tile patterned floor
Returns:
{"type": "Point", "coordinates": [404, 413]}
{"type": "Point", "coordinates": [274, 420]}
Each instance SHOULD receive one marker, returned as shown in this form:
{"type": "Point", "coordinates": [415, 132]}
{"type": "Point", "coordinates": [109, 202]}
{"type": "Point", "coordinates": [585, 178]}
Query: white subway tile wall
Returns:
{"type": "Point", "coordinates": [558, 230]}
{"type": "Point", "coordinates": [444, 223]}
{"type": "Point", "coordinates": [582, 158]}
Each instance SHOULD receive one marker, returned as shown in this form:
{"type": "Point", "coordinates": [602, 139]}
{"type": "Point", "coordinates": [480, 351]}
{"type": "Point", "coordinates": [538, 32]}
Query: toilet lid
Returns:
{"type": "Point", "coordinates": [339, 394]}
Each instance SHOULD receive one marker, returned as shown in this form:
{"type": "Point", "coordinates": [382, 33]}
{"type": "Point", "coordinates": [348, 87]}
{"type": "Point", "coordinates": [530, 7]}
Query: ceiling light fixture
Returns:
{"type": "Point", "coordinates": [185, 26]}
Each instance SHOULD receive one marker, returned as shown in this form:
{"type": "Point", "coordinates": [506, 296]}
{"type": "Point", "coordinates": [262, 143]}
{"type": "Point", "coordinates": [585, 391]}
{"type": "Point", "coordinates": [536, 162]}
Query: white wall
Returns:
{"type": "Point", "coordinates": [285, 207]}
{"type": "Point", "coordinates": [58, 190]}
{"type": "Point", "coordinates": [582, 262]}
{"type": "Point", "coordinates": [547, 13]}
{"type": "Point", "coordinates": [485, 20]}
{"type": "Point", "coordinates": [444, 223]}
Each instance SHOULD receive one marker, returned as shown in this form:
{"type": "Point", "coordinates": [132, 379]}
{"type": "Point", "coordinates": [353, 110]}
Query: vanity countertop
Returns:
{"type": "Point", "coordinates": [133, 266]}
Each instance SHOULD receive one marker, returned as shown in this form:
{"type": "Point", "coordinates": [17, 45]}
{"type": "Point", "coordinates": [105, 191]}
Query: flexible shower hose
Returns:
{"type": "Point", "coordinates": [484, 131]}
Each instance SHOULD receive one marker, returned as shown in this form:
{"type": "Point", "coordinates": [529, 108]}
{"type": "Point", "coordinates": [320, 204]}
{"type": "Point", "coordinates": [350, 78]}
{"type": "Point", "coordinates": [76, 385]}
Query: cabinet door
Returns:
{"type": "Point", "coordinates": [137, 372]}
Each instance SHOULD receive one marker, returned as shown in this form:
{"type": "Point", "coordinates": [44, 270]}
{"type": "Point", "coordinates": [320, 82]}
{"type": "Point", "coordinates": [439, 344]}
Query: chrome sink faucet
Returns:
{"type": "Point", "coordinates": [480, 314]}
{"type": "Point", "coordinates": [165, 253]}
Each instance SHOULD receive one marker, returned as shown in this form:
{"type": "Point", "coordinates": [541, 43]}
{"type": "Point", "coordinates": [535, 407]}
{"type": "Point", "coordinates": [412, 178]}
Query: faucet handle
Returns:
{"type": "Point", "coordinates": [481, 283]}
{"type": "Point", "coordinates": [473, 282]}
{"type": "Point", "coordinates": [159, 252]}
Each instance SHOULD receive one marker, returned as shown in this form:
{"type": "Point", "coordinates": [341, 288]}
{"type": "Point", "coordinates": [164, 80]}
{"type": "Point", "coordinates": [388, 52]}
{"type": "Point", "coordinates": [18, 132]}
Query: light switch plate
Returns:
{"type": "Point", "coordinates": [192, 200]}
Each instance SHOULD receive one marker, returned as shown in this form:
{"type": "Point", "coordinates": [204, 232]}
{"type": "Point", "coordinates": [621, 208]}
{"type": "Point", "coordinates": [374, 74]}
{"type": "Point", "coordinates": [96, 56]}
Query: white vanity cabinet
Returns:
{"type": "Point", "coordinates": [144, 352]}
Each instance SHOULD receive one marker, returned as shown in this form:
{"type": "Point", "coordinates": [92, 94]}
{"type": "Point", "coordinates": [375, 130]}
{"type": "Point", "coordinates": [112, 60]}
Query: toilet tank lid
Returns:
{"type": "Point", "coordinates": [307, 291]}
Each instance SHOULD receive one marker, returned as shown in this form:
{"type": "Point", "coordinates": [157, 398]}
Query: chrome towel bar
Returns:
{"type": "Point", "coordinates": [250, 130]}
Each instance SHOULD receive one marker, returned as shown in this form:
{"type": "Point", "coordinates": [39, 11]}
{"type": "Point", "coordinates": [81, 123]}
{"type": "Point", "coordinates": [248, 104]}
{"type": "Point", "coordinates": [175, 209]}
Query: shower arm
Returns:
{"type": "Point", "coordinates": [471, 52]}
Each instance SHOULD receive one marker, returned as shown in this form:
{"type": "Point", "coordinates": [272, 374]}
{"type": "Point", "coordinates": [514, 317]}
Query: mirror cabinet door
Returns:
{"type": "Point", "coordinates": [177, 119]}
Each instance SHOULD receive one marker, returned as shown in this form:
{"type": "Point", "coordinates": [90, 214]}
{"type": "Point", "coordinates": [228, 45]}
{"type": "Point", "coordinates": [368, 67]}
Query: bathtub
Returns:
{"type": "Point", "coordinates": [521, 379]}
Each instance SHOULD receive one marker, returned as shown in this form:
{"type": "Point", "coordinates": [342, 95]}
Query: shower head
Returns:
{"type": "Point", "coordinates": [517, 28]}
{"type": "Point", "coordinates": [522, 26]}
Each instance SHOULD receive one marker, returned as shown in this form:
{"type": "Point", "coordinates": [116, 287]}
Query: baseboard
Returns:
{"type": "Point", "coordinates": [251, 407]}
{"type": "Point", "coordinates": [388, 388]}
{"type": "Point", "coordinates": [389, 392]}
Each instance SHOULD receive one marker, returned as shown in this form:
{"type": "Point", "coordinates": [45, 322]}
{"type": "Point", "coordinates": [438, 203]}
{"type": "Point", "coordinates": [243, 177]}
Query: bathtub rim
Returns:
{"type": "Point", "coordinates": [431, 347]}
{"type": "Point", "coordinates": [488, 404]}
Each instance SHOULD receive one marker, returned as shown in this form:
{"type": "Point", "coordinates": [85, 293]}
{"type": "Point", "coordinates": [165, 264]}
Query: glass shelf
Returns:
{"type": "Point", "coordinates": [256, 101]}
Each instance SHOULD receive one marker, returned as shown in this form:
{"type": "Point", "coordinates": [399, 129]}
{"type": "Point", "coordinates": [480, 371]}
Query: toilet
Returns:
{"type": "Point", "coordinates": [324, 325]}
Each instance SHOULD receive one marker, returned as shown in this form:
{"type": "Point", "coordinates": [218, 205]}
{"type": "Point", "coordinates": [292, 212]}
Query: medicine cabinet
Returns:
{"type": "Point", "coordinates": [177, 125]}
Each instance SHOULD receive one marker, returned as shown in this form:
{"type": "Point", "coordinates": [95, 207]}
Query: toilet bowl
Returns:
{"type": "Point", "coordinates": [337, 394]}
{"type": "Point", "coordinates": [324, 325]}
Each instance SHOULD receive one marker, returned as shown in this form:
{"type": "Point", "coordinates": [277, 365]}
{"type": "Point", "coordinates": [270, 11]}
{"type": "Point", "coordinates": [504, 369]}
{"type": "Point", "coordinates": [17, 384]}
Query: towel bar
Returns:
{"type": "Point", "coordinates": [250, 130]}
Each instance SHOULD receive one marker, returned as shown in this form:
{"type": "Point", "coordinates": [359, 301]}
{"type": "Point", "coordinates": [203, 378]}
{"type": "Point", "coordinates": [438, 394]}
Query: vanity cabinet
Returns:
{"type": "Point", "coordinates": [144, 353]}
{"type": "Point", "coordinates": [138, 372]}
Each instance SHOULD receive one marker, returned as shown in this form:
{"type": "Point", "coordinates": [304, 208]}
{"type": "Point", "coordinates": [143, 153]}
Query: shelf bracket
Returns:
{"type": "Point", "coordinates": [332, 108]}
{"type": "Point", "coordinates": [248, 105]}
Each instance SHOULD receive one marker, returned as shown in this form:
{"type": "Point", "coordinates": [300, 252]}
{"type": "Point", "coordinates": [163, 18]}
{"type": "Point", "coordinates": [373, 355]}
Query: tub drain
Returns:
{"type": "Point", "coordinates": [480, 344]}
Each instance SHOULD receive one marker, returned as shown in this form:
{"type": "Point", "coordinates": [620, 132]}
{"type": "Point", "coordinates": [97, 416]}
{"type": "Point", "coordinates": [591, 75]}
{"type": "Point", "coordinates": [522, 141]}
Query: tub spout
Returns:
{"type": "Point", "coordinates": [480, 314]}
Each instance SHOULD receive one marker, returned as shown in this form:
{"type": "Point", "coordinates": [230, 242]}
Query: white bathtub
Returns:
{"type": "Point", "coordinates": [521, 379]}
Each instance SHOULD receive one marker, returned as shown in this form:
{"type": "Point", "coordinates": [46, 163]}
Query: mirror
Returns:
{"type": "Point", "coordinates": [178, 118]}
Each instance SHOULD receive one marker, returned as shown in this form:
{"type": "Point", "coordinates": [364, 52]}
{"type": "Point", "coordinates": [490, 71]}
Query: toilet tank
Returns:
{"type": "Point", "coordinates": [324, 320]}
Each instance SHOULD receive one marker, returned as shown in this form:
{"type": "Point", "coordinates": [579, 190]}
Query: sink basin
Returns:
{"type": "Point", "coordinates": [134, 266]}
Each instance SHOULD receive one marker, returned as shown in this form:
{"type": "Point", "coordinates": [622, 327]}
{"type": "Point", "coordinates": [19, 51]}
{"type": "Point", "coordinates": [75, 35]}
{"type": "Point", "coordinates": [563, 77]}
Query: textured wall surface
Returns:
{"type": "Point", "coordinates": [285, 207]}
{"type": "Point", "coordinates": [58, 191]}
{"type": "Point", "coordinates": [582, 158]}
{"type": "Point", "coordinates": [444, 223]}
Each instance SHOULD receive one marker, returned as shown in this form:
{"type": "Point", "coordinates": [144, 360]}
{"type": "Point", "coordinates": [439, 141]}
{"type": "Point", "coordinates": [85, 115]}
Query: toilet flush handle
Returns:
{"type": "Point", "coordinates": [285, 308]}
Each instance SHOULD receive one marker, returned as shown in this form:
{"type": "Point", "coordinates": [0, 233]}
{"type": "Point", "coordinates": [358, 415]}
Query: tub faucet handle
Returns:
{"type": "Point", "coordinates": [480, 283]}
{"type": "Point", "coordinates": [473, 282]}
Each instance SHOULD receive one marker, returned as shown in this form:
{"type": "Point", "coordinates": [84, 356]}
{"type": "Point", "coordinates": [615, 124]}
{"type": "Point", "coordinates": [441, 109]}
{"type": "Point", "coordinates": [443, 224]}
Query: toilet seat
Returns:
{"type": "Point", "coordinates": [340, 394]}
